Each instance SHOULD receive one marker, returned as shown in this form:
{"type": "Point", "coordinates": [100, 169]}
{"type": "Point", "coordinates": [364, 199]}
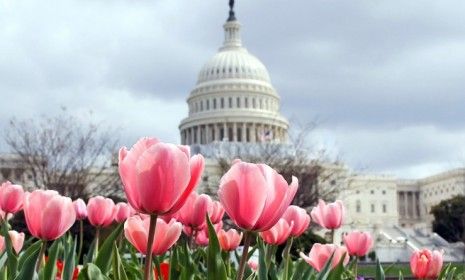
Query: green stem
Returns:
{"type": "Point", "coordinates": [269, 253]}
{"type": "Point", "coordinates": [245, 251]}
{"type": "Point", "coordinates": [81, 240]}
{"type": "Point", "coordinates": [355, 267]}
{"type": "Point", "coordinates": [148, 255]}
{"type": "Point", "coordinates": [97, 239]}
{"type": "Point", "coordinates": [287, 257]}
{"type": "Point", "coordinates": [41, 255]}
{"type": "Point", "coordinates": [332, 235]}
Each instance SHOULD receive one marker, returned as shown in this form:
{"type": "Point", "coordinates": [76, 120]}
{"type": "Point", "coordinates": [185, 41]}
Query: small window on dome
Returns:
{"type": "Point", "coordinates": [217, 71]}
{"type": "Point", "coordinates": [237, 70]}
{"type": "Point", "coordinates": [201, 105]}
{"type": "Point", "coordinates": [254, 104]}
{"type": "Point", "coordinates": [230, 102]}
{"type": "Point", "coordinates": [222, 102]}
{"type": "Point", "coordinates": [230, 70]}
{"type": "Point", "coordinates": [212, 72]}
{"type": "Point", "coordinates": [214, 104]}
{"type": "Point", "coordinates": [224, 70]}
{"type": "Point", "coordinates": [246, 103]}
{"type": "Point", "coordinates": [238, 102]}
{"type": "Point", "coordinates": [208, 104]}
{"type": "Point", "coordinates": [261, 103]}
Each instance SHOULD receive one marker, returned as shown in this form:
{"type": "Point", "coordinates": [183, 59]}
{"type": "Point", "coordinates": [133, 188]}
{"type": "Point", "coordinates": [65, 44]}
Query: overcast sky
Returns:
{"type": "Point", "coordinates": [386, 79]}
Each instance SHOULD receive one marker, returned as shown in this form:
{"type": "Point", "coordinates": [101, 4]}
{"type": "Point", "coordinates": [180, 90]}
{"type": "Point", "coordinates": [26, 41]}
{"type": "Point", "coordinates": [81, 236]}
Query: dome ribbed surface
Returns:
{"type": "Point", "coordinates": [234, 63]}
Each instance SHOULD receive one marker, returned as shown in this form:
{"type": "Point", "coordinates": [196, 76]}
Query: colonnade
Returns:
{"type": "Point", "coordinates": [408, 203]}
{"type": "Point", "coordinates": [232, 131]}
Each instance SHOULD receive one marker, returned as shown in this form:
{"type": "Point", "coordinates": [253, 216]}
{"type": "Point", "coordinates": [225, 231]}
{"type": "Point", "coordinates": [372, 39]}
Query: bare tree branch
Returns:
{"type": "Point", "coordinates": [66, 154]}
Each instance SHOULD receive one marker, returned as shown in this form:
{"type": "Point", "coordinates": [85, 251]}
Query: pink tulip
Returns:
{"type": "Point", "coordinates": [3, 214]}
{"type": "Point", "coordinates": [253, 265]}
{"type": "Point", "coordinates": [80, 208]}
{"type": "Point", "coordinates": [319, 255]}
{"type": "Point", "coordinates": [358, 243]}
{"type": "Point", "coordinates": [278, 234]}
{"type": "Point", "coordinates": [229, 240]}
{"type": "Point", "coordinates": [122, 212]}
{"type": "Point", "coordinates": [426, 264]}
{"type": "Point", "coordinates": [48, 214]}
{"type": "Point", "coordinates": [255, 196]}
{"type": "Point", "coordinates": [11, 197]}
{"type": "Point", "coordinates": [136, 231]}
{"type": "Point", "coordinates": [17, 240]}
{"type": "Point", "coordinates": [329, 216]}
{"type": "Point", "coordinates": [158, 177]}
{"type": "Point", "coordinates": [100, 211]}
{"type": "Point", "coordinates": [299, 217]}
{"type": "Point", "coordinates": [215, 212]}
{"type": "Point", "coordinates": [201, 238]}
{"type": "Point", "coordinates": [193, 212]}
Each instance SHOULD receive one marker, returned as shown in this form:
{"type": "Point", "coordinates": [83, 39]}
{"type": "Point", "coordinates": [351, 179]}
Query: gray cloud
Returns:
{"type": "Point", "coordinates": [386, 77]}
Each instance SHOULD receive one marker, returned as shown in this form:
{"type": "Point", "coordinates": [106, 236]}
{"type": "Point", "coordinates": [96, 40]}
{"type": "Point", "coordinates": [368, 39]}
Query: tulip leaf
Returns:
{"type": "Point", "coordinates": [174, 271]}
{"type": "Point", "coordinates": [216, 267]}
{"type": "Point", "coordinates": [103, 259]}
{"type": "Point", "coordinates": [12, 259]}
{"type": "Point", "coordinates": [118, 269]}
{"type": "Point", "coordinates": [262, 265]}
{"type": "Point", "coordinates": [69, 258]}
{"type": "Point", "coordinates": [88, 257]}
{"type": "Point", "coordinates": [379, 271]}
{"type": "Point", "coordinates": [301, 268]}
{"type": "Point", "coordinates": [91, 272]}
{"type": "Point", "coordinates": [401, 276]}
{"type": "Point", "coordinates": [28, 262]}
{"type": "Point", "coordinates": [324, 273]}
{"type": "Point", "coordinates": [50, 269]}
{"type": "Point", "coordinates": [337, 272]}
{"type": "Point", "coordinates": [451, 273]}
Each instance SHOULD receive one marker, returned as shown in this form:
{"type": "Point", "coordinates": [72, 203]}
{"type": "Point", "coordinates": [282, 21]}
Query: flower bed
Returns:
{"type": "Point", "coordinates": [180, 232]}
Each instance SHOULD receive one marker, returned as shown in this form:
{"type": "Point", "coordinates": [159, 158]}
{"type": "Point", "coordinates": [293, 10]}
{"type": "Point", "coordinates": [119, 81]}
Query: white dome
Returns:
{"type": "Point", "coordinates": [233, 63]}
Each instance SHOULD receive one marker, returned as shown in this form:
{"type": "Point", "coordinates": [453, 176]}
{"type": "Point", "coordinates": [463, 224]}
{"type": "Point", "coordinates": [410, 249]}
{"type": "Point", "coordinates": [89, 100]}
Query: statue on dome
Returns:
{"type": "Point", "coordinates": [232, 16]}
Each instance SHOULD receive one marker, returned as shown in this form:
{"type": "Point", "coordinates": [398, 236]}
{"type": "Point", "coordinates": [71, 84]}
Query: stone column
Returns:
{"type": "Point", "coordinates": [406, 204]}
{"type": "Point", "coordinates": [226, 132]}
{"type": "Point", "coordinates": [244, 132]}
{"type": "Point", "coordinates": [191, 132]}
{"type": "Point", "coordinates": [198, 134]}
{"type": "Point", "coordinates": [253, 133]}
{"type": "Point", "coordinates": [207, 133]}
{"type": "Point", "coordinates": [399, 204]}
{"type": "Point", "coordinates": [217, 132]}
{"type": "Point", "coordinates": [234, 131]}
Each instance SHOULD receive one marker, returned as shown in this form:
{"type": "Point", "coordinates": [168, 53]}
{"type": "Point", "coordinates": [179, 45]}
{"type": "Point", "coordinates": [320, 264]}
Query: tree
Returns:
{"type": "Point", "coordinates": [316, 174]}
{"type": "Point", "coordinates": [449, 219]}
{"type": "Point", "coordinates": [67, 154]}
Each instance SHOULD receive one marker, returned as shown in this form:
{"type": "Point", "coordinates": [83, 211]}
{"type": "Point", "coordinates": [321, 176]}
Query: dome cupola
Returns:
{"type": "Point", "coordinates": [233, 99]}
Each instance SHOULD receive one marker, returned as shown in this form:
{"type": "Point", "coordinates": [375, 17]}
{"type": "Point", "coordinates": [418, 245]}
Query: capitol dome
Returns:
{"type": "Point", "coordinates": [233, 64]}
{"type": "Point", "coordinates": [233, 99]}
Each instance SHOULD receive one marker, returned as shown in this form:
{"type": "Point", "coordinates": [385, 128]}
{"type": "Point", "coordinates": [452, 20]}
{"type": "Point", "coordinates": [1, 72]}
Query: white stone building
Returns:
{"type": "Point", "coordinates": [234, 105]}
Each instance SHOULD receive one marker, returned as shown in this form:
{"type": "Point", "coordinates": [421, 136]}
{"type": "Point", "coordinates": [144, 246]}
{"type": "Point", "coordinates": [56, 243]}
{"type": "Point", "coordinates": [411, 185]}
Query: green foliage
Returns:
{"type": "Point", "coordinates": [92, 272]}
{"type": "Point", "coordinates": [449, 218]}
{"type": "Point", "coordinates": [69, 258]}
{"type": "Point", "coordinates": [27, 262]}
{"type": "Point", "coordinates": [216, 267]}
{"type": "Point", "coordinates": [379, 271]}
{"type": "Point", "coordinates": [12, 259]}
{"type": "Point", "coordinates": [105, 252]}
{"type": "Point", "coordinates": [50, 269]}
